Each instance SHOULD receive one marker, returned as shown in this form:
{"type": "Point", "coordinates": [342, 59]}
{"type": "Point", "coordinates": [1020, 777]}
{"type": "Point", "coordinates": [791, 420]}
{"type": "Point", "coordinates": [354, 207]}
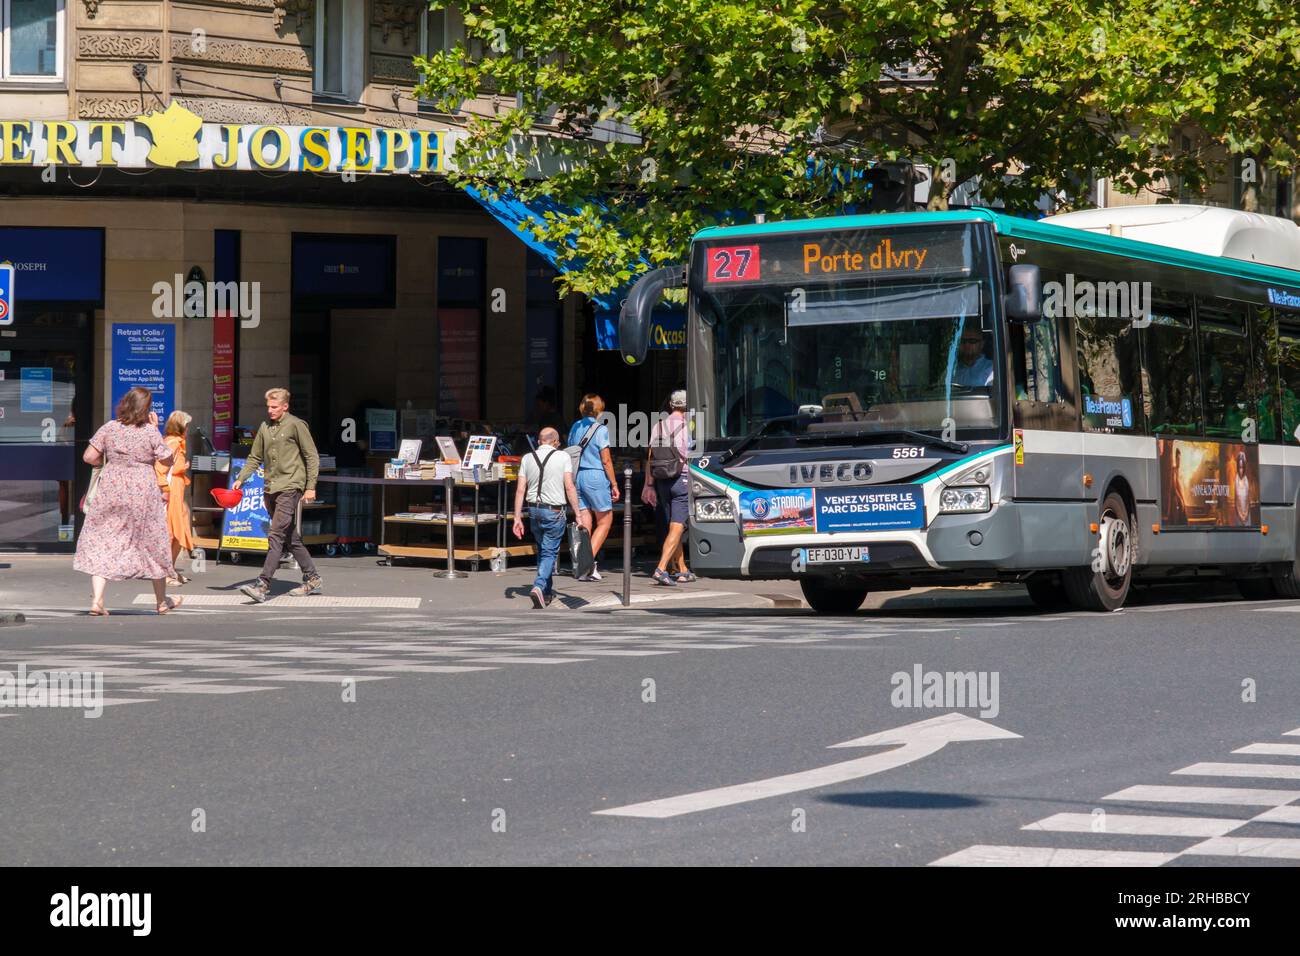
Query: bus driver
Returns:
{"type": "Point", "coordinates": [974, 369]}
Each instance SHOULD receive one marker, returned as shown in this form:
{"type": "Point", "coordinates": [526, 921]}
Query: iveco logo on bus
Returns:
{"type": "Point", "coordinates": [829, 472]}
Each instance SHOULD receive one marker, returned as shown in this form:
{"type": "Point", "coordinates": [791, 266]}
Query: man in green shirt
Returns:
{"type": "Point", "coordinates": [285, 449]}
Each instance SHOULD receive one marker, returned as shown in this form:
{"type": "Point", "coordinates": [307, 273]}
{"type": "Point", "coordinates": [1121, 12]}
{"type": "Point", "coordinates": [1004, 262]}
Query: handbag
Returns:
{"type": "Point", "coordinates": [580, 550]}
{"type": "Point", "coordinates": [89, 496]}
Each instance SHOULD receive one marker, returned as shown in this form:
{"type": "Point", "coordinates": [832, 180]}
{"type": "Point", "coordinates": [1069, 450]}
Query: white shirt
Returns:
{"type": "Point", "coordinates": [551, 474]}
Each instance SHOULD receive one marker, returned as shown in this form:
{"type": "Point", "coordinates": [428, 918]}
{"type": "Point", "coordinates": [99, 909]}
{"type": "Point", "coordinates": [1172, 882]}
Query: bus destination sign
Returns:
{"type": "Point", "coordinates": [842, 254]}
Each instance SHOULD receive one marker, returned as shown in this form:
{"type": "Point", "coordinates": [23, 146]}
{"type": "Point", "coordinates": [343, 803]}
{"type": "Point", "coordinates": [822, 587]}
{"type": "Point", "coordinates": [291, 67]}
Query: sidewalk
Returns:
{"type": "Point", "coordinates": [48, 583]}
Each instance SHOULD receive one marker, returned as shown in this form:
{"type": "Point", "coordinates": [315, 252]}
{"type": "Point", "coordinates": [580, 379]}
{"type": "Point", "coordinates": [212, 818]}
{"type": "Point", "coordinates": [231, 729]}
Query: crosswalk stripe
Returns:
{"type": "Point", "coordinates": [284, 601]}
{"type": "Point", "coordinates": [1279, 750]}
{"type": "Point", "coordinates": [988, 855]}
{"type": "Point", "coordinates": [1136, 824]}
{"type": "Point", "coordinates": [1274, 848]}
{"type": "Point", "coordinates": [1224, 796]}
{"type": "Point", "coordinates": [1292, 733]}
{"type": "Point", "coordinates": [1266, 771]}
{"type": "Point", "coordinates": [1279, 815]}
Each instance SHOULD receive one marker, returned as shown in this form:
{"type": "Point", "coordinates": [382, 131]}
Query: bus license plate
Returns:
{"type": "Point", "coordinates": [835, 555]}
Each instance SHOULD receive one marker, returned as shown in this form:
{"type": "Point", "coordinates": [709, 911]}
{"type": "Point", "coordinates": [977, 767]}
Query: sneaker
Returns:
{"type": "Point", "coordinates": [310, 586]}
{"type": "Point", "coordinates": [587, 577]}
{"type": "Point", "coordinates": [258, 591]}
{"type": "Point", "coordinates": [595, 574]}
{"type": "Point", "coordinates": [684, 577]}
{"type": "Point", "coordinates": [539, 599]}
{"type": "Point", "coordinates": [663, 578]}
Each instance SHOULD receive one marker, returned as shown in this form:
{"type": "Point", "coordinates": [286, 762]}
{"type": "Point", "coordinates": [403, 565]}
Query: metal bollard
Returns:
{"type": "Point", "coordinates": [449, 488]}
{"type": "Point", "coordinates": [627, 535]}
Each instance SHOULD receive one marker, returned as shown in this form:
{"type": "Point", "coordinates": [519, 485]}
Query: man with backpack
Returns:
{"type": "Point", "coordinates": [666, 468]}
{"type": "Point", "coordinates": [546, 484]}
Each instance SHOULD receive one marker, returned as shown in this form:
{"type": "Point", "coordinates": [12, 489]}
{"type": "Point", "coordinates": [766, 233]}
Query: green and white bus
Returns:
{"type": "Point", "coordinates": [890, 401]}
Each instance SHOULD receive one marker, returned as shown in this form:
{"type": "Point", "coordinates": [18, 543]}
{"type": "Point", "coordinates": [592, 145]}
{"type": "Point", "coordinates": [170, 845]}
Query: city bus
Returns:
{"type": "Point", "coordinates": [890, 401]}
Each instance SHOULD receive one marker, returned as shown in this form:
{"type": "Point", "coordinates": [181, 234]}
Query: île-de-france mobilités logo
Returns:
{"type": "Point", "coordinates": [175, 134]}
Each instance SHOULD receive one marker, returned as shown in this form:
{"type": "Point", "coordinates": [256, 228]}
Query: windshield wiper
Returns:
{"type": "Point", "coordinates": [754, 436]}
{"type": "Point", "coordinates": [922, 437]}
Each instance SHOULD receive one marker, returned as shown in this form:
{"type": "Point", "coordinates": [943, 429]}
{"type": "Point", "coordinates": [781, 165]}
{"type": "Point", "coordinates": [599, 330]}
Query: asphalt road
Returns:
{"type": "Point", "coordinates": [495, 737]}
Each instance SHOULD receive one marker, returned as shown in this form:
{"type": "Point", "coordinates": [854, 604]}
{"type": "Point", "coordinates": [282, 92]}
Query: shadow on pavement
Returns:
{"type": "Point", "coordinates": [904, 800]}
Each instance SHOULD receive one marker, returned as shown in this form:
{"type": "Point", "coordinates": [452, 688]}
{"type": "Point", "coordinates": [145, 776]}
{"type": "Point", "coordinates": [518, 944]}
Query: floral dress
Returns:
{"type": "Point", "coordinates": [125, 534]}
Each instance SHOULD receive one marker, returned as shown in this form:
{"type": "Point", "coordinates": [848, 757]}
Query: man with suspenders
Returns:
{"type": "Point", "coordinates": [546, 483]}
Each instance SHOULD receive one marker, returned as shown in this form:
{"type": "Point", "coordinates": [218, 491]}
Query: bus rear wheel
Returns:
{"type": "Point", "coordinates": [1105, 590]}
{"type": "Point", "coordinates": [827, 597]}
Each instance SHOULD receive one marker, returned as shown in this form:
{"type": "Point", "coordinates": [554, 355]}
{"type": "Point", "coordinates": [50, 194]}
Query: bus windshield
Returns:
{"type": "Point", "coordinates": [840, 349]}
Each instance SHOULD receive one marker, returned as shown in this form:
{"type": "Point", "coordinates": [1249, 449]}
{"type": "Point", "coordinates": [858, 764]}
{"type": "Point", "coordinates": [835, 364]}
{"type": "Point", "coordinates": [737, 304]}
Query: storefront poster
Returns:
{"type": "Point", "coordinates": [787, 511]}
{"type": "Point", "coordinates": [458, 361]}
{"type": "Point", "coordinates": [1208, 484]}
{"type": "Point", "coordinates": [145, 354]}
{"type": "Point", "coordinates": [382, 423]}
{"type": "Point", "coordinates": [223, 381]}
{"type": "Point", "coordinates": [882, 508]}
{"type": "Point", "coordinates": [36, 390]}
{"type": "Point", "coordinates": [244, 527]}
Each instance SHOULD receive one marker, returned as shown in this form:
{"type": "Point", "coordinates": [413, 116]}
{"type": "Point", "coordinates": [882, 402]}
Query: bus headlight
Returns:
{"type": "Point", "coordinates": [714, 509]}
{"type": "Point", "coordinates": [970, 500]}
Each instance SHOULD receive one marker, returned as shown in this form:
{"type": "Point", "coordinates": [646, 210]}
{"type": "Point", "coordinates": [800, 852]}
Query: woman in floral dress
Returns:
{"type": "Point", "coordinates": [125, 534]}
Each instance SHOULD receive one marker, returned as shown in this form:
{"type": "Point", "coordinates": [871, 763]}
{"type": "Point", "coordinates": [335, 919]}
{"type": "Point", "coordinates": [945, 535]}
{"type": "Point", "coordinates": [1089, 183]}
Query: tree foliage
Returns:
{"type": "Point", "coordinates": [654, 119]}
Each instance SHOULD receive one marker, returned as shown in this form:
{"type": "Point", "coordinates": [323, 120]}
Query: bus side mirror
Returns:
{"type": "Point", "coordinates": [1024, 298]}
{"type": "Point", "coordinates": [634, 317]}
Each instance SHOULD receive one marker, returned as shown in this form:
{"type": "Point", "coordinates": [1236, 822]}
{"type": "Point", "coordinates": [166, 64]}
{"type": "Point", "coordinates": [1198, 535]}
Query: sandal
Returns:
{"type": "Point", "coordinates": [171, 604]}
{"type": "Point", "coordinates": [97, 610]}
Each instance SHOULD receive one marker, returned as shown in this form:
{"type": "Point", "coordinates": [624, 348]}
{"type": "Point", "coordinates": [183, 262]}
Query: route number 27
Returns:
{"type": "Point", "coordinates": [733, 264]}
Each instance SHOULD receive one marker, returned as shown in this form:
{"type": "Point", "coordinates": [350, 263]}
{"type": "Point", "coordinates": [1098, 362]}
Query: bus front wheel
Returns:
{"type": "Point", "coordinates": [1104, 585]}
{"type": "Point", "coordinates": [828, 597]}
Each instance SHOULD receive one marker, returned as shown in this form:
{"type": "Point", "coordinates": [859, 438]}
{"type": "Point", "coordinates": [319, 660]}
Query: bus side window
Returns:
{"type": "Point", "coordinates": [1225, 368]}
{"type": "Point", "coordinates": [1110, 388]}
{"type": "Point", "coordinates": [1169, 366]}
{"type": "Point", "coordinates": [1264, 346]}
{"type": "Point", "coordinates": [1289, 372]}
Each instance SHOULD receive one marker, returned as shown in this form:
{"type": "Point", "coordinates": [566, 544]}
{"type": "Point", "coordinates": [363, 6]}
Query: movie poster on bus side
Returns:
{"type": "Point", "coordinates": [1208, 484]}
{"type": "Point", "coordinates": [786, 511]}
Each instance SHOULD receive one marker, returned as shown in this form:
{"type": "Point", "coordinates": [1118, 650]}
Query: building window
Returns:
{"type": "Point", "coordinates": [33, 40]}
{"type": "Point", "coordinates": [339, 52]}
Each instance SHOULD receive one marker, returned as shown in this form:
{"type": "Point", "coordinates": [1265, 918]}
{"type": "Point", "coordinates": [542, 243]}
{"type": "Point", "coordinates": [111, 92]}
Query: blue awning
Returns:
{"type": "Point", "coordinates": [514, 213]}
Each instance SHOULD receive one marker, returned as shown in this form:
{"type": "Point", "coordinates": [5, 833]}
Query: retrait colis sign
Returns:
{"type": "Point", "coordinates": [176, 138]}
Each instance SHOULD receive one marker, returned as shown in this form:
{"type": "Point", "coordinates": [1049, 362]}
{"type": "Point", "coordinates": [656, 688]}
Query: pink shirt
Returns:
{"type": "Point", "coordinates": [674, 427]}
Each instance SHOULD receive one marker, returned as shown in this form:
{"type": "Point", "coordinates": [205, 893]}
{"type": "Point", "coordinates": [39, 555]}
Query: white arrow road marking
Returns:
{"type": "Point", "coordinates": [914, 742]}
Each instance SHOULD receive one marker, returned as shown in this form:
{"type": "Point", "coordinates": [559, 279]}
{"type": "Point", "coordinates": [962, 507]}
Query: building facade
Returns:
{"type": "Point", "coordinates": [216, 197]}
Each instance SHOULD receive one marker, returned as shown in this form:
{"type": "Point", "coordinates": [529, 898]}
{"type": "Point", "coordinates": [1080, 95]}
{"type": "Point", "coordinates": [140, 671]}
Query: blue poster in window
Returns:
{"type": "Point", "coordinates": [244, 527]}
{"type": "Point", "coordinates": [882, 508]}
{"type": "Point", "coordinates": [145, 354]}
{"type": "Point", "coordinates": [36, 390]}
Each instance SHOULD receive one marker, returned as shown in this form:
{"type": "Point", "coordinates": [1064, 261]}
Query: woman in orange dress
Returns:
{"type": "Point", "coordinates": [174, 481]}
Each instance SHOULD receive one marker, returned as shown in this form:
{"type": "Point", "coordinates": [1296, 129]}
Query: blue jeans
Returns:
{"type": "Point", "coordinates": [548, 529]}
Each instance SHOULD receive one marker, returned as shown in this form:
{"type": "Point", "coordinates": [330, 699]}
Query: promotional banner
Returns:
{"type": "Point", "coordinates": [244, 526]}
{"type": "Point", "coordinates": [787, 511]}
{"type": "Point", "coordinates": [458, 362]}
{"type": "Point", "coordinates": [223, 381]}
{"type": "Point", "coordinates": [145, 354]}
{"type": "Point", "coordinates": [1208, 484]}
{"type": "Point", "coordinates": [881, 508]}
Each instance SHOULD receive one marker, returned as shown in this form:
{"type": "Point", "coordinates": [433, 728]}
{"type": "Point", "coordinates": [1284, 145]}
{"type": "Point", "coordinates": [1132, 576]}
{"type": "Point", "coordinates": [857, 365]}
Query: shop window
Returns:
{"type": "Point", "coordinates": [339, 33]}
{"type": "Point", "coordinates": [33, 40]}
{"type": "Point", "coordinates": [1225, 367]}
{"type": "Point", "coordinates": [1170, 367]}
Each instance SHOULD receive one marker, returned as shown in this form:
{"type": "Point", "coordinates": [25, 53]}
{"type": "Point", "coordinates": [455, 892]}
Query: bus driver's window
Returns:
{"type": "Point", "coordinates": [974, 368]}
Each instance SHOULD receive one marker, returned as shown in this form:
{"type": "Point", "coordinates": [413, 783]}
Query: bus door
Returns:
{"type": "Point", "coordinates": [1048, 445]}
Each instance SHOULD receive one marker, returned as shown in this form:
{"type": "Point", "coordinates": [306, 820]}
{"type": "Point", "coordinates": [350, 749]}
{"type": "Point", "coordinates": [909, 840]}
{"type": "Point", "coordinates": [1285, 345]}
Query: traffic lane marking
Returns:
{"type": "Point", "coordinates": [989, 855]}
{"type": "Point", "coordinates": [1129, 823]}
